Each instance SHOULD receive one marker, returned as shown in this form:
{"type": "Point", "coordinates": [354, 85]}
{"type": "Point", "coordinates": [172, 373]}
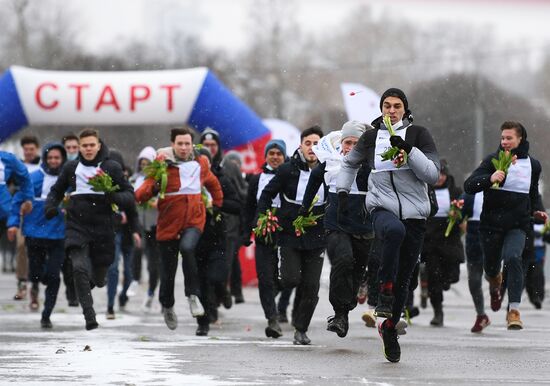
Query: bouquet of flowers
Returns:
{"type": "Point", "coordinates": [158, 170]}
{"type": "Point", "coordinates": [393, 152]}
{"type": "Point", "coordinates": [102, 182]}
{"type": "Point", "coordinates": [546, 228]}
{"type": "Point", "coordinates": [207, 201]}
{"type": "Point", "coordinates": [505, 159]}
{"type": "Point", "coordinates": [303, 222]}
{"type": "Point", "coordinates": [268, 225]}
{"type": "Point", "coordinates": [455, 214]}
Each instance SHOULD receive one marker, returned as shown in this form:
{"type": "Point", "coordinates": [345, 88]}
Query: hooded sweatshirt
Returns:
{"type": "Point", "coordinates": [35, 224]}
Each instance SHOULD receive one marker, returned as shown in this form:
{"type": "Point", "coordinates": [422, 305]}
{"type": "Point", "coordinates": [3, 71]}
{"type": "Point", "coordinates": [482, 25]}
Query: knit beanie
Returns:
{"type": "Point", "coordinates": [210, 134]}
{"type": "Point", "coordinates": [352, 129]}
{"type": "Point", "coordinates": [395, 92]}
{"type": "Point", "coordinates": [275, 143]}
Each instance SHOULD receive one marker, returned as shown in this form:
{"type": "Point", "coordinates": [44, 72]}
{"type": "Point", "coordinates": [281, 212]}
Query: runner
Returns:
{"type": "Point", "coordinates": [181, 218]}
{"type": "Point", "coordinates": [442, 254]}
{"type": "Point", "coordinates": [89, 241]}
{"type": "Point", "coordinates": [506, 215]}
{"type": "Point", "coordinates": [398, 202]}
{"type": "Point", "coordinates": [301, 256]}
{"type": "Point", "coordinates": [11, 169]}
{"type": "Point", "coordinates": [267, 259]}
{"type": "Point", "coordinates": [44, 239]}
{"type": "Point", "coordinates": [147, 215]}
{"type": "Point", "coordinates": [349, 237]}
{"type": "Point", "coordinates": [31, 160]}
{"type": "Point", "coordinates": [474, 255]}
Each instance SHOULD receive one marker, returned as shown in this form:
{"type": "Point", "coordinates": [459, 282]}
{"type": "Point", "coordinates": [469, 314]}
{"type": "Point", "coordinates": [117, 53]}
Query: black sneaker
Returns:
{"type": "Point", "coordinates": [73, 303]}
{"type": "Point", "coordinates": [110, 313]}
{"type": "Point", "coordinates": [239, 298]}
{"type": "Point", "coordinates": [45, 323]}
{"type": "Point", "coordinates": [91, 323]}
{"type": "Point", "coordinates": [282, 317]}
{"type": "Point", "coordinates": [227, 300]}
{"type": "Point", "coordinates": [202, 330]}
{"type": "Point", "coordinates": [300, 338]}
{"type": "Point", "coordinates": [384, 307]}
{"type": "Point", "coordinates": [273, 330]}
{"type": "Point", "coordinates": [437, 320]}
{"type": "Point", "coordinates": [338, 324]}
{"type": "Point", "coordinates": [392, 351]}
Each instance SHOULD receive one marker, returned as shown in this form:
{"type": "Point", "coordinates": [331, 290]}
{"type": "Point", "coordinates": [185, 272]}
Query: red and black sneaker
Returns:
{"type": "Point", "coordinates": [496, 300]}
{"type": "Point", "coordinates": [482, 321]}
{"type": "Point", "coordinates": [388, 333]}
{"type": "Point", "coordinates": [495, 292]}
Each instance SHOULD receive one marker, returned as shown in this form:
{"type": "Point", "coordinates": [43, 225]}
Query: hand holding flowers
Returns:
{"type": "Point", "coordinates": [455, 214]}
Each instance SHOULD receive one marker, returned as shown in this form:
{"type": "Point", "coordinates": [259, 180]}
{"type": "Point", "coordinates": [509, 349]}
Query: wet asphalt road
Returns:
{"type": "Point", "coordinates": [138, 349]}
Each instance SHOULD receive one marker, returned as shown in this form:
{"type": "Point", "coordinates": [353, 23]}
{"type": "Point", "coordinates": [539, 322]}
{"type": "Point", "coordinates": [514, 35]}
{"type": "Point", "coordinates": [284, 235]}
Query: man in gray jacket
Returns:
{"type": "Point", "coordinates": [397, 200]}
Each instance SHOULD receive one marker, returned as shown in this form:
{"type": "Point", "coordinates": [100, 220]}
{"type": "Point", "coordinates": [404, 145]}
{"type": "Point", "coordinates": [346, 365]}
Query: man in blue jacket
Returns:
{"type": "Point", "coordinates": [44, 239]}
{"type": "Point", "coordinates": [11, 169]}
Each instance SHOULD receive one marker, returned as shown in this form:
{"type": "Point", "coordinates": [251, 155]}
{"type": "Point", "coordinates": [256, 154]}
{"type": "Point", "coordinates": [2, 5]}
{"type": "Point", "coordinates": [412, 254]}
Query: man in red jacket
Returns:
{"type": "Point", "coordinates": [181, 218]}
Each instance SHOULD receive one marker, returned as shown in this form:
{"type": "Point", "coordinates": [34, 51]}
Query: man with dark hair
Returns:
{"type": "Point", "coordinates": [348, 239]}
{"type": "Point", "coordinates": [397, 201]}
{"type": "Point", "coordinates": [70, 142]}
{"type": "Point", "coordinates": [301, 255]}
{"type": "Point", "coordinates": [31, 152]}
{"type": "Point", "coordinates": [90, 235]}
{"type": "Point", "coordinates": [31, 160]}
{"type": "Point", "coordinates": [181, 218]}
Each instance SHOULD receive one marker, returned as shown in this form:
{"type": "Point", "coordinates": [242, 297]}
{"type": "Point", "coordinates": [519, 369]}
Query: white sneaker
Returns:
{"type": "Point", "coordinates": [170, 318]}
{"type": "Point", "coordinates": [369, 318]}
{"type": "Point", "coordinates": [133, 289]}
{"type": "Point", "coordinates": [401, 327]}
{"type": "Point", "coordinates": [195, 306]}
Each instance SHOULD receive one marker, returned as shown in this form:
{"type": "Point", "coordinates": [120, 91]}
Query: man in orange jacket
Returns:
{"type": "Point", "coordinates": [181, 218]}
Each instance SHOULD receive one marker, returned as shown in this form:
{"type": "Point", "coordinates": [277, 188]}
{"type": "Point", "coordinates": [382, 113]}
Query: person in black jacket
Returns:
{"type": "Point", "coordinates": [348, 238]}
{"type": "Point", "coordinates": [506, 215]}
{"type": "Point", "coordinates": [90, 236]}
{"type": "Point", "coordinates": [442, 255]}
{"type": "Point", "coordinates": [211, 252]}
{"type": "Point", "coordinates": [267, 260]}
{"type": "Point", "coordinates": [301, 256]}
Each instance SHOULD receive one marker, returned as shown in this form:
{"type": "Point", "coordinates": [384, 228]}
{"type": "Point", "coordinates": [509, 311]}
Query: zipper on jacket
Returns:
{"type": "Point", "coordinates": [397, 195]}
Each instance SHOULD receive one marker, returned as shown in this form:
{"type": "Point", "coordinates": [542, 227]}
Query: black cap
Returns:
{"type": "Point", "coordinates": [395, 92]}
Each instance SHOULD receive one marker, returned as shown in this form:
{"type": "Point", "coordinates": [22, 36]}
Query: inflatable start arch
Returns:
{"type": "Point", "coordinates": [193, 96]}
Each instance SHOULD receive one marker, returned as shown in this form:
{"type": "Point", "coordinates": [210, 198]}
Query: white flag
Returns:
{"type": "Point", "coordinates": [362, 104]}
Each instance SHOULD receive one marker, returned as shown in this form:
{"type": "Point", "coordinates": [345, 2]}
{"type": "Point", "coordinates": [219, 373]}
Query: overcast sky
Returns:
{"type": "Point", "coordinates": [223, 23]}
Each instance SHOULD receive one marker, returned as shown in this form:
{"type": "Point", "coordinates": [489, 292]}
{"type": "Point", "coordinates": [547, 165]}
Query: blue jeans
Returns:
{"type": "Point", "coordinates": [504, 246]}
{"type": "Point", "coordinates": [45, 261]}
{"type": "Point", "coordinates": [401, 244]}
{"type": "Point", "coordinates": [112, 274]}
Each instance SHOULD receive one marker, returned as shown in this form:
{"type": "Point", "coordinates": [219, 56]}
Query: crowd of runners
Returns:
{"type": "Point", "coordinates": [375, 198]}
